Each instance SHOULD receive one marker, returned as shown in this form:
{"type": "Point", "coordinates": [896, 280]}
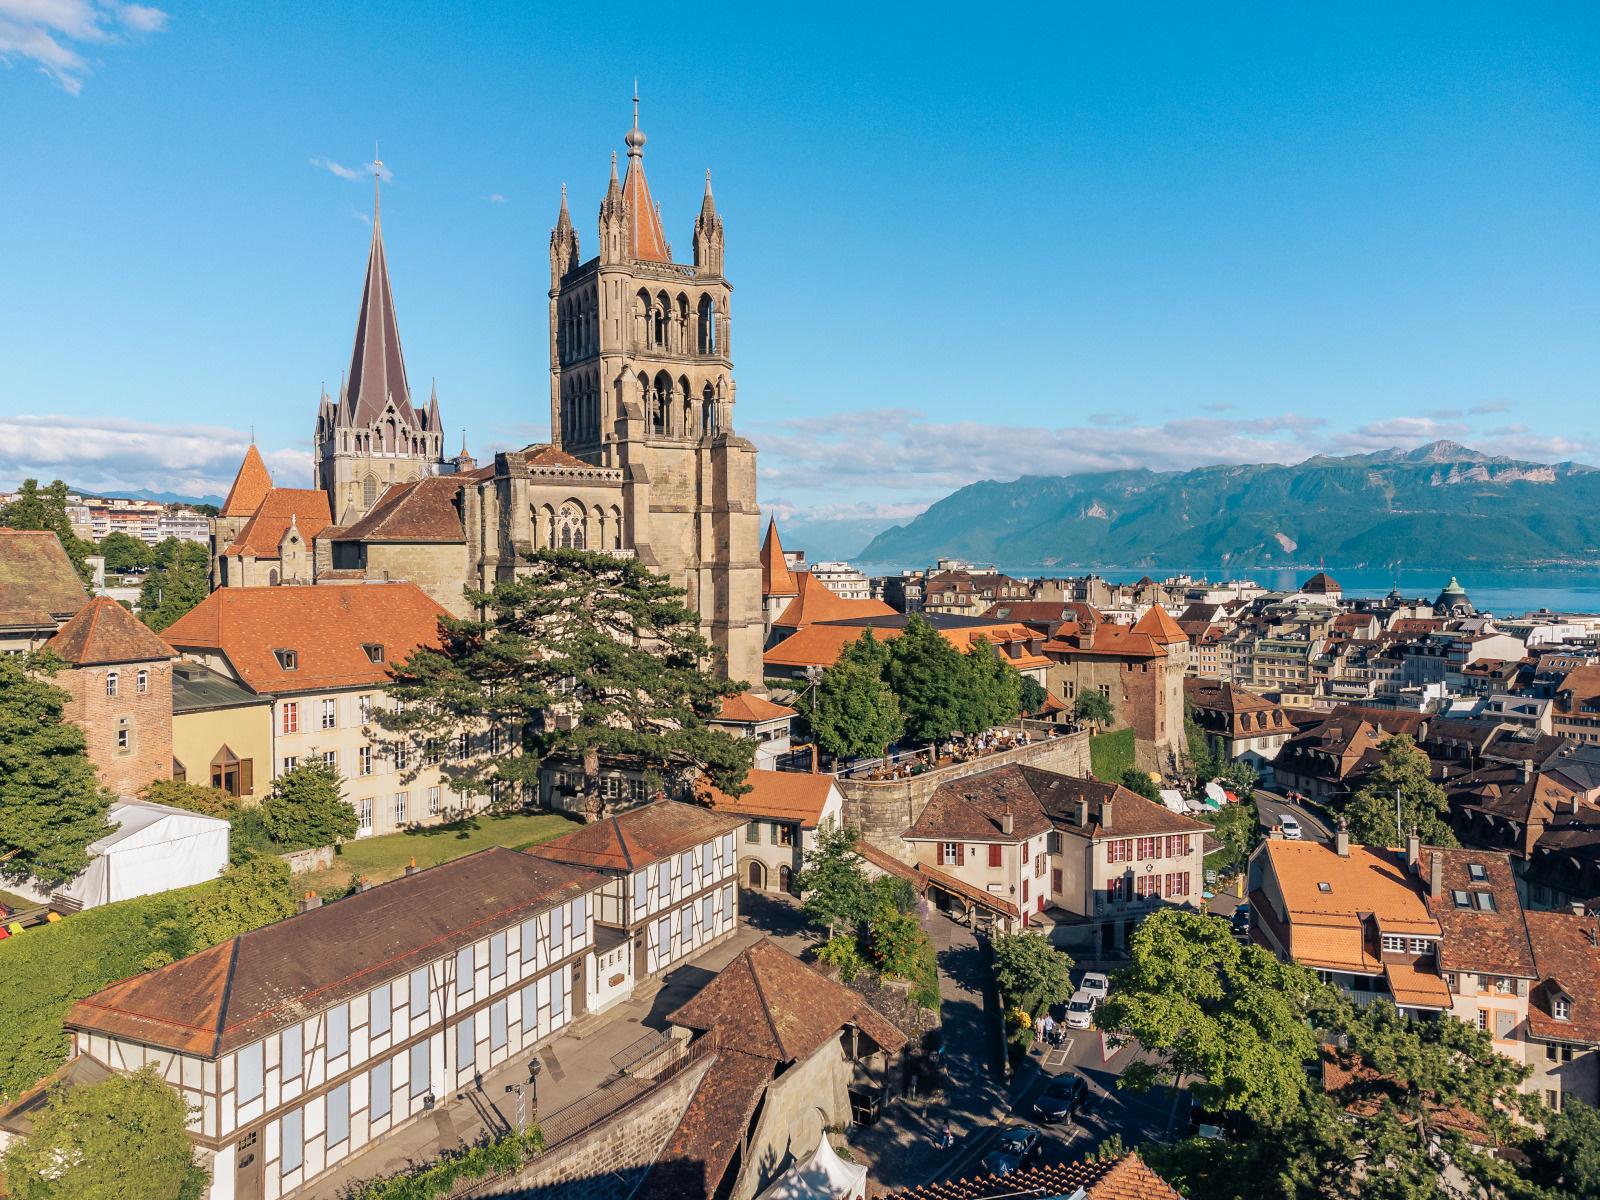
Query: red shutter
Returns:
{"type": "Point", "coordinates": [994, 854]}
{"type": "Point", "coordinates": [961, 853]}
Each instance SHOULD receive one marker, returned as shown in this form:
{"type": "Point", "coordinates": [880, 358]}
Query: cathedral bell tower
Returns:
{"type": "Point", "coordinates": [641, 379]}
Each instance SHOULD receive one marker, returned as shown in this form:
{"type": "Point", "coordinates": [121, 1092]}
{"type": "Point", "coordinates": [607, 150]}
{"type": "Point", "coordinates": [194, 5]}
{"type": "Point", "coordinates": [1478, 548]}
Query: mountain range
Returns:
{"type": "Point", "coordinates": [1439, 505]}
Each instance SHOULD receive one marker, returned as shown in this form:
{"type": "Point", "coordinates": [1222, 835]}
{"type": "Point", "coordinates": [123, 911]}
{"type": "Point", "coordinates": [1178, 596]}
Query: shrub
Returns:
{"type": "Point", "coordinates": [442, 1176]}
{"type": "Point", "coordinates": [307, 806]}
{"type": "Point", "coordinates": [175, 793]}
{"type": "Point", "coordinates": [842, 953]}
{"type": "Point", "coordinates": [1111, 755]}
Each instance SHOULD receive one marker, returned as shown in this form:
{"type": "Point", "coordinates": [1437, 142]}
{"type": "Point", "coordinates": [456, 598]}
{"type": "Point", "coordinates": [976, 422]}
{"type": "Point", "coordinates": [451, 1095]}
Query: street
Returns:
{"type": "Point", "coordinates": [1272, 805]}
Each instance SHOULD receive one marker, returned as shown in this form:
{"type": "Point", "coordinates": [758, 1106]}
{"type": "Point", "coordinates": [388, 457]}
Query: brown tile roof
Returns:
{"type": "Point", "coordinates": [1131, 814]}
{"type": "Point", "coordinates": [105, 632]}
{"type": "Point", "coordinates": [38, 583]}
{"type": "Point", "coordinates": [1103, 641]}
{"type": "Point", "coordinates": [326, 626]}
{"type": "Point", "coordinates": [1320, 584]}
{"type": "Point", "coordinates": [644, 222]}
{"type": "Point", "coordinates": [307, 508]}
{"type": "Point", "coordinates": [1492, 943]}
{"type": "Point", "coordinates": [1568, 961]}
{"type": "Point", "coordinates": [542, 454]}
{"type": "Point", "coordinates": [748, 709]}
{"type": "Point", "coordinates": [775, 795]}
{"type": "Point", "coordinates": [1125, 1178]}
{"type": "Point", "coordinates": [769, 1004]}
{"type": "Point", "coordinates": [776, 578]}
{"type": "Point", "coordinates": [243, 989]}
{"type": "Point", "coordinates": [698, 1151]}
{"type": "Point", "coordinates": [250, 485]}
{"type": "Point", "coordinates": [821, 644]}
{"type": "Point", "coordinates": [423, 510]}
{"type": "Point", "coordinates": [973, 809]}
{"type": "Point", "coordinates": [1157, 625]}
{"type": "Point", "coordinates": [638, 837]}
{"type": "Point", "coordinates": [813, 602]}
{"type": "Point", "coordinates": [969, 892]}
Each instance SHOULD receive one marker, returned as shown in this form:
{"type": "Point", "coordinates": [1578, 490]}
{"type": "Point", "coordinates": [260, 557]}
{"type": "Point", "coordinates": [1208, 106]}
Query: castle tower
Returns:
{"type": "Point", "coordinates": [372, 436]}
{"type": "Point", "coordinates": [641, 379]}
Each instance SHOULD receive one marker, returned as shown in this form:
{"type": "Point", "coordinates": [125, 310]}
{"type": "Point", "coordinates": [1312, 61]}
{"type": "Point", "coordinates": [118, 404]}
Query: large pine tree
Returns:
{"type": "Point", "coordinates": [585, 656]}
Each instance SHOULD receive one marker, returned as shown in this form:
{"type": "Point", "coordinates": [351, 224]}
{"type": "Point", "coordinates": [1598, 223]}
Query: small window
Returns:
{"type": "Point", "coordinates": [374, 651]}
{"type": "Point", "coordinates": [381, 1007]}
{"type": "Point", "coordinates": [292, 1138]}
{"type": "Point", "coordinates": [338, 1031]}
{"type": "Point", "coordinates": [249, 1067]}
{"type": "Point", "coordinates": [124, 737]}
{"type": "Point", "coordinates": [141, 682]}
{"type": "Point", "coordinates": [497, 955]}
{"type": "Point", "coordinates": [1461, 899]}
{"type": "Point", "coordinates": [420, 1069]}
{"type": "Point", "coordinates": [339, 1115]}
{"type": "Point", "coordinates": [463, 970]}
{"type": "Point", "coordinates": [382, 1088]}
{"type": "Point", "coordinates": [1561, 1008]}
{"type": "Point", "coordinates": [1324, 887]}
{"type": "Point", "coordinates": [466, 1045]}
{"type": "Point", "coordinates": [288, 660]}
{"type": "Point", "coordinates": [1484, 901]}
{"type": "Point", "coordinates": [419, 993]}
{"type": "Point", "coordinates": [433, 801]}
{"type": "Point", "coordinates": [111, 683]}
{"type": "Point", "coordinates": [1476, 870]}
{"type": "Point", "coordinates": [292, 1053]}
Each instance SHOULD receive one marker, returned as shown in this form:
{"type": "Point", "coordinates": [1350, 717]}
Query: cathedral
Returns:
{"type": "Point", "coordinates": [642, 460]}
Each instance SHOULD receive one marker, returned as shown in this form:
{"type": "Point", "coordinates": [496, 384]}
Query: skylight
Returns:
{"type": "Point", "coordinates": [1324, 887]}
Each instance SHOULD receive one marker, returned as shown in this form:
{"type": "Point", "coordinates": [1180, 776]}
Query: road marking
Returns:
{"type": "Point", "coordinates": [1057, 1058]}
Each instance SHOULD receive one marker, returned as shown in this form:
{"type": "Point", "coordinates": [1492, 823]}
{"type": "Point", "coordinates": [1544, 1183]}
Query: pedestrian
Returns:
{"type": "Point", "coordinates": [1049, 1029]}
{"type": "Point", "coordinates": [949, 1138]}
{"type": "Point", "coordinates": [1041, 1027]}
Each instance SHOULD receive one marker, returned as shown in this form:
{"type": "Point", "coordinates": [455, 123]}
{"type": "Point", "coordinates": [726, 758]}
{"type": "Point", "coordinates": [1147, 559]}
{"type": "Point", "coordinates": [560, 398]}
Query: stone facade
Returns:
{"type": "Point", "coordinates": [125, 711]}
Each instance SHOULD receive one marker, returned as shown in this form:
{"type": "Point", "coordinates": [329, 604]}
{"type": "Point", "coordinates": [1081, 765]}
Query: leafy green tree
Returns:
{"type": "Point", "coordinates": [122, 1139]}
{"type": "Point", "coordinates": [1567, 1157]}
{"type": "Point", "coordinates": [307, 806]}
{"type": "Point", "coordinates": [124, 553]}
{"type": "Point", "coordinates": [868, 651]}
{"type": "Point", "coordinates": [1240, 776]}
{"type": "Point", "coordinates": [176, 583]}
{"type": "Point", "coordinates": [1031, 972]}
{"type": "Point", "coordinates": [1423, 804]}
{"type": "Point", "coordinates": [891, 891]}
{"type": "Point", "coordinates": [1206, 1007]}
{"type": "Point", "coordinates": [991, 689]}
{"type": "Point", "coordinates": [1238, 826]}
{"type": "Point", "coordinates": [254, 893]}
{"type": "Point", "coordinates": [1093, 707]}
{"type": "Point", "coordinates": [46, 509]}
{"type": "Point", "coordinates": [843, 953]}
{"type": "Point", "coordinates": [1034, 697]}
{"type": "Point", "coordinates": [896, 941]}
{"type": "Point", "coordinates": [178, 793]}
{"type": "Point", "coordinates": [926, 674]}
{"type": "Point", "coordinates": [833, 886]}
{"type": "Point", "coordinates": [605, 646]}
{"type": "Point", "coordinates": [1202, 758]}
{"type": "Point", "coordinates": [52, 805]}
{"type": "Point", "coordinates": [1140, 784]}
{"type": "Point", "coordinates": [855, 713]}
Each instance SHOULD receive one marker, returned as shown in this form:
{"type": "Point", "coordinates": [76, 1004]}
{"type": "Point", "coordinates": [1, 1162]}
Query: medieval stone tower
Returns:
{"type": "Point", "coordinates": [373, 436]}
{"type": "Point", "coordinates": [641, 379]}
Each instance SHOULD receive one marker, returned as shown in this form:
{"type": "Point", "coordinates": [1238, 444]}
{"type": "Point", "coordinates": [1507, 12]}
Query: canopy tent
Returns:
{"type": "Point", "coordinates": [1175, 802]}
{"type": "Point", "coordinates": [823, 1176]}
{"type": "Point", "coordinates": [153, 848]}
{"type": "Point", "coordinates": [1216, 796]}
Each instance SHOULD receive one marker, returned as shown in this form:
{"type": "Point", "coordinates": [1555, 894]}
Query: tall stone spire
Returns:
{"type": "Point", "coordinates": [648, 241]}
{"type": "Point", "coordinates": [563, 242]}
{"type": "Point", "coordinates": [708, 233]}
{"type": "Point", "coordinates": [377, 366]}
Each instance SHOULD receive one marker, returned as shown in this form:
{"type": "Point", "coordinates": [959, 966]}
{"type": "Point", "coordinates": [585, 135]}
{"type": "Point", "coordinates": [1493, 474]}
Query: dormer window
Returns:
{"type": "Point", "coordinates": [1561, 1008]}
{"type": "Point", "coordinates": [288, 660]}
{"type": "Point", "coordinates": [374, 651]}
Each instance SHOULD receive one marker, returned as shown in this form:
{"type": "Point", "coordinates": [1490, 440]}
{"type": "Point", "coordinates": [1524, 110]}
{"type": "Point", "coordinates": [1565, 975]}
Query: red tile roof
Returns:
{"type": "Point", "coordinates": [105, 632]}
{"type": "Point", "coordinates": [644, 223]}
{"type": "Point", "coordinates": [38, 583]}
{"type": "Point", "coordinates": [327, 626]}
{"type": "Point", "coordinates": [974, 809]}
{"type": "Point", "coordinates": [1568, 962]}
{"type": "Point", "coordinates": [307, 508]}
{"type": "Point", "coordinates": [814, 603]}
{"type": "Point", "coordinates": [423, 510]}
{"type": "Point", "coordinates": [1125, 1178]}
{"type": "Point", "coordinates": [776, 795]}
{"type": "Point", "coordinates": [1157, 625]}
{"type": "Point", "coordinates": [638, 837]}
{"type": "Point", "coordinates": [776, 578]}
{"type": "Point", "coordinates": [542, 454]}
{"type": "Point", "coordinates": [250, 485]}
{"type": "Point", "coordinates": [748, 709]}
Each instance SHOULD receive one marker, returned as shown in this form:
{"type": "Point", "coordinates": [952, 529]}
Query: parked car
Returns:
{"type": "Point", "coordinates": [1289, 827]}
{"type": "Point", "coordinates": [1080, 1010]}
{"type": "Point", "coordinates": [1096, 985]}
{"type": "Point", "coordinates": [1066, 1095]}
{"type": "Point", "coordinates": [1241, 921]}
{"type": "Point", "coordinates": [1015, 1146]}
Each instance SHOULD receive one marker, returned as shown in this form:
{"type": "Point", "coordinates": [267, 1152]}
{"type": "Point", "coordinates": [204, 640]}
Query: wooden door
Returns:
{"type": "Point", "coordinates": [247, 1165]}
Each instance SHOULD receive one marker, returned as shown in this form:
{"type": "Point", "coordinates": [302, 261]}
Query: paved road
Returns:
{"type": "Point", "coordinates": [1272, 805]}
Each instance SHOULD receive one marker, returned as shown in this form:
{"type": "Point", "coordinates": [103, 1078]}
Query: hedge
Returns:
{"type": "Point", "coordinates": [1111, 754]}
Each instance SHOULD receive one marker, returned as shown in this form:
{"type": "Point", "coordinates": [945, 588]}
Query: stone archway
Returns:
{"type": "Point", "coordinates": [756, 875]}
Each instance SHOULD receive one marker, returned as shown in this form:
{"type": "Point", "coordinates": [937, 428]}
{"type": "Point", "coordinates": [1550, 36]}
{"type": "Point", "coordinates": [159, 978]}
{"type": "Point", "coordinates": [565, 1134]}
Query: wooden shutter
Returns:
{"type": "Point", "coordinates": [247, 781]}
{"type": "Point", "coordinates": [961, 853]}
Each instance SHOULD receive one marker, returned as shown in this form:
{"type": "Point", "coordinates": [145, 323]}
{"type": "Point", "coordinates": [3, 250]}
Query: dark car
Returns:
{"type": "Point", "coordinates": [1241, 921]}
{"type": "Point", "coordinates": [1066, 1095]}
{"type": "Point", "coordinates": [1015, 1146]}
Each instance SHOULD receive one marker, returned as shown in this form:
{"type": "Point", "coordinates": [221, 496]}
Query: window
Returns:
{"type": "Point", "coordinates": [558, 934]}
{"type": "Point", "coordinates": [1462, 900]}
{"type": "Point", "coordinates": [292, 1136]}
{"type": "Point", "coordinates": [686, 926]}
{"type": "Point", "coordinates": [419, 993]}
{"type": "Point", "coordinates": [364, 709]}
{"type": "Point", "coordinates": [1394, 942]}
{"type": "Point", "coordinates": [1484, 900]}
{"type": "Point", "coordinates": [330, 713]}
{"type": "Point", "coordinates": [558, 997]}
{"type": "Point", "coordinates": [463, 970]}
{"type": "Point", "coordinates": [708, 861]}
{"type": "Point", "coordinates": [1561, 1008]}
{"type": "Point", "coordinates": [1477, 872]}
{"type": "Point", "coordinates": [290, 762]}
{"type": "Point", "coordinates": [292, 1051]}
{"type": "Point", "coordinates": [580, 920]}
{"type": "Point", "coordinates": [1324, 886]}
{"type": "Point", "coordinates": [291, 717]}
{"type": "Point", "coordinates": [248, 1064]}
{"type": "Point", "coordinates": [497, 955]}
{"type": "Point", "coordinates": [421, 1069]}
{"type": "Point", "coordinates": [374, 651]}
{"type": "Point", "coordinates": [401, 800]}
{"type": "Point", "coordinates": [1038, 864]}
{"type": "Point", "coordinates": [1147, 886]}
{"type": "Point", "coordinates": [364, 815]}
{"type": "Point", "coordinates": [338, 1031]}
{"type": "Point", "coordinates": [124, 736]}
{"type": "Point", "coordinates": [382, 1090]}
{"type": "Point", "coordinates": [364, 761]}
{"type": "Point", "coordinates": [1177, 884]}
{"type": "Point", "coordinates": [1504, 1022]}
{"type": "Point", "coordinates": [708, 916]}
{"type": "Point", "coordinates": [381, 1006]}
{"type": "Point", "coordinates": [1483, 1020]}
{"type": "Point", "coordinates": [994, 854]}
{"type": "Point", "coordinates": [339, 1115]}
{"type": "Point", "coordinates": [331, 757]}
{"type": "Point", "coordinates": [1120, 850]}
{"type": "Point", "coordinates": [785, 833]}
{"type": "Point", "coordinates": [530, 945]}
{"type": "Point", "coordinates": [664, 937]}
{"type": "Point", "coordinates": [1552, 1097]}
{"type": "Point", "coordinates": [1117, 889]}
{"type": "Point", "coordinates": [950, 854]}
{"type": "Point", "coordinates": [288, 660]}
{"type": "Point", "coordinates": [466, 1052]}
{"type": "Point", "coordinates": [141, 682]}
{"type": "Point", "coordinates": [1053, 844]}
{"type": "Point", "coordinates": [402, 755]}
{"type": "Point", "coordinates": [752, 833]}
{"type": "Point", "coordinates": [433, 801]}
{"type": "Point", "coordinates": [497, 1025]}
{"type": "Point", "coordinates": [1420, 946]}
{"type": "Point", "coordinates": [111, 683]}
{"type": "Point", "coordinates": [1175, 845]}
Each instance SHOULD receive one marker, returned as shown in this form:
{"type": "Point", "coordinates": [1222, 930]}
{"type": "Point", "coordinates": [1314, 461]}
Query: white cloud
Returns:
{"type": "Point", "coordinates": [118, 455]}
{"type": "Point", "coordinates": [496, 198]}
{"type": "Point", "coordinates": [365, 171]}
{"type": "Point", "coordinates": [51, 33]}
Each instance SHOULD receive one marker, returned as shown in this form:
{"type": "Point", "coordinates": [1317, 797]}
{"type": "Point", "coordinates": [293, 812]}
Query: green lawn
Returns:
{"type": "Point", "coordinates": [1111, 754]}
{"type": "Point", "coordinates": [16, 903]}
{"type": "Point", "coordinates": [377, 859]}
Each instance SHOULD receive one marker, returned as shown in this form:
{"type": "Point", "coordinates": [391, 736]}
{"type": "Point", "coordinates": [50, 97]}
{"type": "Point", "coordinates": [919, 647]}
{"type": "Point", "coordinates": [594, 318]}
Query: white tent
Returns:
{"type": "Point", "coordinates": [154, 848]}
{"type": "Point", "coordinates": [823, 1176]}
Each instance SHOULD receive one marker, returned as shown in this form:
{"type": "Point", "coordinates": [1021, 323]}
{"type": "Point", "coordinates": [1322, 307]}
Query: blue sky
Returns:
{"type": "Point", "coordinates": [961, 247]}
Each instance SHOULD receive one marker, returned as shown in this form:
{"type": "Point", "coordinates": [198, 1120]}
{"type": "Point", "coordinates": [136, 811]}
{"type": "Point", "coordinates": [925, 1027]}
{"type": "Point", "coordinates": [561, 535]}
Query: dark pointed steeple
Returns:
{"type": "Point", "coordinates": [434, 420]}
{"type": "Point", "coordinates": [377, 366]}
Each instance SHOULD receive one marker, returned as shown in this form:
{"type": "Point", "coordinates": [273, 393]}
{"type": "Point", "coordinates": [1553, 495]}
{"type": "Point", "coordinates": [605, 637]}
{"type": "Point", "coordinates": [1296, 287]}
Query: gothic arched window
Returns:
{"type": "Point", "coordinates": [570, 527]}
{"type": "Point", "coordinates": [369, 491]}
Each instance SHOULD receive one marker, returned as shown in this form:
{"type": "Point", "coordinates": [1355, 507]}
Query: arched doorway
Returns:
{"type": "Point", "coordinates": [757, 875]}
{"type": "Point", "coordinates": [785, 879]}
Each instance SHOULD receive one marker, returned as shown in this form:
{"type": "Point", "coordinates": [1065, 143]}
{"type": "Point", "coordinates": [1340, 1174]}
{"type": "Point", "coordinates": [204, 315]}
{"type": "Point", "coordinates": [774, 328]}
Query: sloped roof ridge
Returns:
{"type": "Point", "coordinates": [766, 1005]}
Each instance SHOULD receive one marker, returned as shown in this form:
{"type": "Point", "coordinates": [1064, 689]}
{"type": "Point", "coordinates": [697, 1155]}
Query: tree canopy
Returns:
{"type": "Point", "coordinates": [855, 713]}
{"type": "Point", "coordinates": [45, 508]}
{"type": "Point", "coordinates": [307, 806]}
{"type": "Point", "coordinates": [925, 673]}
{"type": "Point", "coordinates": [122, 1139]}
{"type": "Point", "coordinates": [582, 656]}
{"type": "Point", "coordinates": [52, 805]}
{"type": "Point", "coordinates": [1031, 972]}
{"type": "Point", "coordinates": [1424, 806]}
{"type": "Point", "coordinates": [1094, 707]}
{"type": "Point", "coordinates": [176, 583]}
{"type": "Point", "coordinates": [1138, 782]}
{"type": "Point", "coordinates": [123, 552]}
{"type": "Point", "coordinates": [833, 887]}
{"type": "Point", "coordinates": [991, 688]}
{"type": "Point", "coordinates": [178, 793]}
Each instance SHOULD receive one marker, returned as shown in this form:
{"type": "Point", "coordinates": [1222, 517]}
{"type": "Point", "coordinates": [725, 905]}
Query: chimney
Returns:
{"type": "Point", "coordinates": [1527, 769]}
{"type": "Point", "coordinates": [1413, 851]}
{"type": "Point", "coordinates": [309, 901]}
{"type": "Point", "coordinates": [1006, 823]}
{"type": "Point", "coordinates": [1341, 839]}
{"type": "Point", "coordinates": [1082, 813]}
{"type": "Point", "coordinates": [1105, 813]}
{"type": "Point", "coordinates": [1436, 874]}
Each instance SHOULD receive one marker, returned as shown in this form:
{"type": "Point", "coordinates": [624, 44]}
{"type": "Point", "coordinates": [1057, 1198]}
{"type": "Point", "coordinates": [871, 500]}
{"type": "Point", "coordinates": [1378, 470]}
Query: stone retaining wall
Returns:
{"type": "Point", "coordinates": [303, 862]}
